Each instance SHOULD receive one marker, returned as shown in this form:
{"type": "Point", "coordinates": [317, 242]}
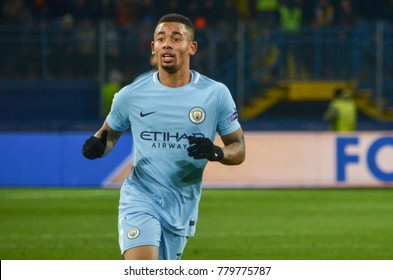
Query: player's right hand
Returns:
{"type": "Point", "coordinates": [94, 147]}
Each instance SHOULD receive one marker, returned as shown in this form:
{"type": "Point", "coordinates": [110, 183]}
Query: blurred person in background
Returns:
{"type": "Point", "coordinates": [245, 9]}
{"type": "Point", "coordinates": [267, 14]}
{"type": "Point", "coordinates": [126, 13]}
{"type": "Point", "coordinates": [291, 14]}
{"type": "Point", "coordinates": [345, 15]}
{"type": "Point", "coordinates": [341, 114]}
{"type": "Point", "coordinates": [323, 14]}
{"type": "Point", "coordinates": [16, 13]}
{"type": "Point", "coordinates": [174, 115]}
{"type": "Point", "coordinates": [110, 88]}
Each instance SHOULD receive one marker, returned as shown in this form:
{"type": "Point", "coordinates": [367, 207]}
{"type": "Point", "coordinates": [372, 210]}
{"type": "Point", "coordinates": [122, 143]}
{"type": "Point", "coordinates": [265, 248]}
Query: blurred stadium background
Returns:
{"type": "Point", "coordinates": [282, 64]}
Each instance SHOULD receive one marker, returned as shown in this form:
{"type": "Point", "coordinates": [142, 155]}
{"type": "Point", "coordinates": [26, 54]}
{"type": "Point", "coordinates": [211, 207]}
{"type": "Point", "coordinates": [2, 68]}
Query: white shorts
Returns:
{"type": "Point", "coordinates": [143, 229]}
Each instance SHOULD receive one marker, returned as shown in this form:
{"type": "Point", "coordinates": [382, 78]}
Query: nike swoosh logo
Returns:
{"type": "Point", "coordinates": [146, 114]}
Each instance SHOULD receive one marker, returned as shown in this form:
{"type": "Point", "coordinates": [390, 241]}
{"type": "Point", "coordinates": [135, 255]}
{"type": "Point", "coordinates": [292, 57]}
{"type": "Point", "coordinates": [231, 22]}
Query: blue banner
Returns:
{"type": "Point", "coordinates": [55, 159]}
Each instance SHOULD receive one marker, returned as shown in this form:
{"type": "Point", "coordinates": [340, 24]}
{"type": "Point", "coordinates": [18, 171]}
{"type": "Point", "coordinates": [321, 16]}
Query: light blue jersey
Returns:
{"type": "Point", "coordinates": [165, 182]}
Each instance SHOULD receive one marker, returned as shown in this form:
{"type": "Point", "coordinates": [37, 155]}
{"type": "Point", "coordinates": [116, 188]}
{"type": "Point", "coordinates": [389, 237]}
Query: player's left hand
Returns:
{"type": "Point", "coordinates": [203, 148]}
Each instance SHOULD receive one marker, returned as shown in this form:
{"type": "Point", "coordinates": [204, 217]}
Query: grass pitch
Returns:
{"type": "Point", "coordinates": [300, 224]}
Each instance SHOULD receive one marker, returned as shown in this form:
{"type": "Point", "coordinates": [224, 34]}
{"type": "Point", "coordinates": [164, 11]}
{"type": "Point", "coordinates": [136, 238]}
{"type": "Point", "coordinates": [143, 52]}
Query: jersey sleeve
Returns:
{"type": "Point", "coordinates": [227, 113]}
{"type": "Point", "coordinates": [118, 117]}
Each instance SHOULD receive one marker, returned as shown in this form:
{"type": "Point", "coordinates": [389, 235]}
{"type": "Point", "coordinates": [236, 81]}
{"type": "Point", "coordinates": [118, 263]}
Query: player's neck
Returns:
{"type": "Point", "coordinates": [174, 80]}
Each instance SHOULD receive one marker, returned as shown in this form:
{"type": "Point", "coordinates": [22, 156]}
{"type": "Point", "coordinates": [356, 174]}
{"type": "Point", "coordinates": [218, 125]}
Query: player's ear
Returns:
{"type": "Point", "coordinates": [193, 47]}
{"type": "Point", "coordinates": [152, 47]}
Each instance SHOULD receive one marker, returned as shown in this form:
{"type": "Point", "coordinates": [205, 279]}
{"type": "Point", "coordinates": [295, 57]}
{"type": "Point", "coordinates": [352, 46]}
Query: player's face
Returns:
{"type": "Point", "coordinates": [173, 46]}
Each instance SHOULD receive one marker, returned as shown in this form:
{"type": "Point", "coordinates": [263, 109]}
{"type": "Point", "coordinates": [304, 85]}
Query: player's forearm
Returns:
{"type": "Point", "coordinates": [113, 137]}
{"type": "Point", "coordinates": [109, 146]}
{"type": "Point", "coordinates": [235, 148]}
{"type": "Point", "coordinates": [234, 153]}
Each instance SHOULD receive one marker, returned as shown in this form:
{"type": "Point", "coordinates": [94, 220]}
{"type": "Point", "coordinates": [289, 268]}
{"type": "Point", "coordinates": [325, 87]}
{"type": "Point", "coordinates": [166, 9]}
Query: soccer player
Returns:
{"type": "Point", "coordinates": [174, 115]}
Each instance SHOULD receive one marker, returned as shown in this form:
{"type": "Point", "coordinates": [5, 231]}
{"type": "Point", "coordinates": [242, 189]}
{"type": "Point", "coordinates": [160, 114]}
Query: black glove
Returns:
{"type": "Point", "coordinates": [203, 148]}
{"type": "Point", "coordinates": [94, 147]}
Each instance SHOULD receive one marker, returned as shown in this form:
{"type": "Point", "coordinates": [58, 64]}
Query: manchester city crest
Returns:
{"type": "Point", "coordinates": [197, 115]}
